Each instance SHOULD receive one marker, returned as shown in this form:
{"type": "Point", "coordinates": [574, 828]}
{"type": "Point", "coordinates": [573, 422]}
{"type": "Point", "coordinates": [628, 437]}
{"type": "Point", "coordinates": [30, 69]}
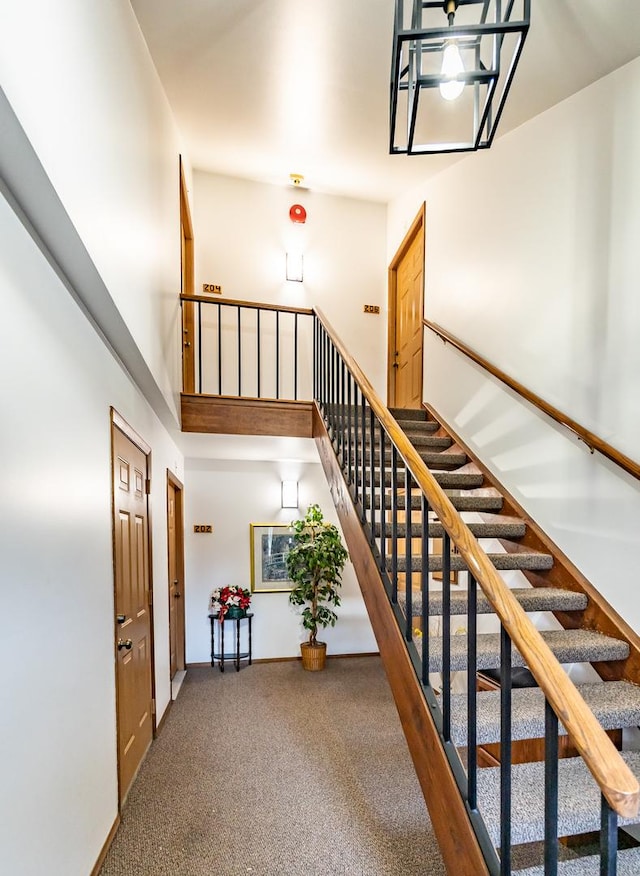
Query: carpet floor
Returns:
{"type": "Point", "coordinates": [274, 771]}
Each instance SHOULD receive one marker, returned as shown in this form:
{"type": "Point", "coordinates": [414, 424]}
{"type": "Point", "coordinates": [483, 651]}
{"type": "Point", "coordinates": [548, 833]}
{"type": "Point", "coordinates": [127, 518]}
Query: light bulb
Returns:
{"type": "Point", "coordinates": [451, 66]}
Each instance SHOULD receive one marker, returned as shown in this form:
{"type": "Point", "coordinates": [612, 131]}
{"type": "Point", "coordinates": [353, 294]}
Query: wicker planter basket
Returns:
{"type": "Point", "coordinates": [313, 656]}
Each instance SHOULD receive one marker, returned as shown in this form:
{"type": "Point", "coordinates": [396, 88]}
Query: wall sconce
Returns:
{"type": "Point", "coordinates": [289, 494]}
{"type": "Point", "coordinates": [294, 267]}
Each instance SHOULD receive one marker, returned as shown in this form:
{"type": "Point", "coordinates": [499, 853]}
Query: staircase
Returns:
{"type": "Point", "coordinates": [616, 704]}
{"type": "Point", "coordinates": [509, 753]}
{"type": "Point", "coordinates": [518, 806]}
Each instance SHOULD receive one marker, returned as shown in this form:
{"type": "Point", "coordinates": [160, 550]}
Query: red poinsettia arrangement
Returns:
{"type": "Point", "coordinates": [224, 598]}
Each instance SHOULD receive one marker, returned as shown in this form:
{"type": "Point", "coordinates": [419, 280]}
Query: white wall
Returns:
{"type": "Point", "coordinates": [531, 259]}
{"type": "Point", "coordinates": [101, 191]}
{"type": "Point", "coordinates": [242, 232]}
{"type": "Point", "coordinates": [80, 80]}
{"type": "Point", "coordinates": [231, 494]}
{"type": "Point", "coordinates": [58, 795]}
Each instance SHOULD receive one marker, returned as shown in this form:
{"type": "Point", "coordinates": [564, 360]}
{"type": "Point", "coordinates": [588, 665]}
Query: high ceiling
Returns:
{"type": "Point", "coordinates": [264, 88]}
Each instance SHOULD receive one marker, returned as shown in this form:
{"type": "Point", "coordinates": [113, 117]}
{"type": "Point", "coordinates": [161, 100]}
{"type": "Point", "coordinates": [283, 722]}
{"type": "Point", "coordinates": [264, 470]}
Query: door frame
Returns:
{"type": "Point", "coordinates": [118, 422]}
{"type": "Point", "coordinates": [417, 227]}
{"type": "Point", "coordinates": [187, 285]}
{"type": "Point", "coordinates": [179, 518]}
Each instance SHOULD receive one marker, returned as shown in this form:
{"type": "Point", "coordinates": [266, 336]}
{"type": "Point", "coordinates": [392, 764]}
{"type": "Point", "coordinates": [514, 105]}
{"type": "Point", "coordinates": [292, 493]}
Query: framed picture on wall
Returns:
{"type": "Point", "coordinates": [270, 544]}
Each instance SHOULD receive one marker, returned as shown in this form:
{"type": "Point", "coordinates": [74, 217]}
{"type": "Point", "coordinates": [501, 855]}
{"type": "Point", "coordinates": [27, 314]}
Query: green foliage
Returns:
{"type": "Point", "coordinates": [315, 565]}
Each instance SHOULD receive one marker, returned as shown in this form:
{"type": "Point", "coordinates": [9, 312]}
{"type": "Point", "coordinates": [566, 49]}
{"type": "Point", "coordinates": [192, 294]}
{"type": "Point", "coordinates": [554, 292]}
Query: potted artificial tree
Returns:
{"type": "Point", "coordinates": [315, 564]}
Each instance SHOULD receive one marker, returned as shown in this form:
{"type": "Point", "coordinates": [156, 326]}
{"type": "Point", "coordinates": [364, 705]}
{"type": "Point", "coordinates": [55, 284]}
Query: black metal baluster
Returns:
{"type": "Point", "coordinates": [446, 637]}
{"type": "Point", "coordinates": [424, 586]}
{"type": "Point", "coordinates": [330, 386]}
{"type": "Point", "coordinates": [219, 349]}
{"type": "Point", "coordinates": [239, 353]}
{"type": "Point", "coordinates": [334, 393]}
{"type": "Point", "coordinates": [356, 443]}
{"type": "Point", "coordinates": [258, 340]}
{"type": "Point", "coordinates": [372, 472]}
{"type": "Point", "coordinates": [383, 503]}
{"type": "Point", "coordinates": [295, 356]}
{"type": "Point", "coordinates": [550, 791]}
{"type": "Point", "coordinates": [408, 560]}
{"type": "Point", "coordinates": [608, 839]}
{"type": "Point", "coordinates": [342, 413]}
{"type": "Point", "coordinates": [472, 703]}
{"type": "Point", "coordinates": [324, 373]}
{"type": "Point", "coordinates": [394, 523]}
{"type": "Point", "coordinates": [363, 455]}
{"type": "Point", "coordinates": [505, 753]}
{"type": "Point", "coordinates": [349, 434]}
{"type": "Point", "coordinates": [314, 375]}
{"type": "Point", "coordinates": [200, 346]}
{"type": "Point", "coordinates": [277, 354]}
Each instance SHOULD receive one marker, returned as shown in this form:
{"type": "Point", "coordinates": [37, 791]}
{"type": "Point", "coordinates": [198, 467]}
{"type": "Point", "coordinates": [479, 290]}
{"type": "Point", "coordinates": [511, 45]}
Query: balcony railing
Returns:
{"type": "Point", "coordinates": [248, 350]}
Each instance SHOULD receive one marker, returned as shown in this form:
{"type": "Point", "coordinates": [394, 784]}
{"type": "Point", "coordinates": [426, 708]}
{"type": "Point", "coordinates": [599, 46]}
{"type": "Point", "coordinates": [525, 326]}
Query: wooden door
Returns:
{"type": "Point", "coordinates": [175, 542]}
{"type": "Point", "coordinates": [133, 625]}
{"type": "Point", "coordinates": [406, 307]}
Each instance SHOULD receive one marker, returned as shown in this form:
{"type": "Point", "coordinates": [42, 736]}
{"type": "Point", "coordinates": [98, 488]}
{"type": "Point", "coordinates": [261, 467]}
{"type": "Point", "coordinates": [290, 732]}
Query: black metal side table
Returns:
{"type": "Point", "coordinates": [236, 655]}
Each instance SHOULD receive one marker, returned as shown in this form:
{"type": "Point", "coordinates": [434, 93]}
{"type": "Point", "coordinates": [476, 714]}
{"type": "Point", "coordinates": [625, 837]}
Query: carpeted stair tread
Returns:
{"type": "Point", "coordinates": [569, 646]}
{"type": "Point", "coordinates": [529, 560]}
{"type": "Point", "coordinates": [628, 865]}
{"type": "Point", "coordinates": [482, 499]}
{"type": "Point", "coordinates": [505, 527]}
{"type": "Point", "coordinates": [408, 414]}
{"type": "Point", "coordinates": [616, 704]}
{"type": "Point", "coordinates": [446, 458]}
{"type": "Point", "coordinates": [427, 442]}
{"type": "Point", "coordinates": [578, 799]}
{"type": "Point", "coordinates": [461, 478]}
{"type": "Point", "coordinates": [409, 427]}
{"type": "Point", "coordinates": [417, 427]}
{"type": "Point", "coordinates": [424, 440]}
{"type": "Point", "coordinates": [530, 598]}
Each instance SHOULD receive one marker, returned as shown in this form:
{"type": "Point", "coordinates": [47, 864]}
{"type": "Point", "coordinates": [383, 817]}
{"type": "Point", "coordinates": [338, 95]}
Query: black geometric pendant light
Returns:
{"type": "Point", "coordinates": [452, 67]}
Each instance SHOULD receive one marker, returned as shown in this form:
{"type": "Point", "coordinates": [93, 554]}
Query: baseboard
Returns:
{"type": "Point", "coordinates": [106, 846]}
{"type": "Point", "coordinates": [160, 723]}
{"type": "Point", "coordinates": [291, 659]}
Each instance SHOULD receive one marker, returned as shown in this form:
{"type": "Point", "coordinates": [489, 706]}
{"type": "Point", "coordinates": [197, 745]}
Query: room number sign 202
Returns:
{"type": "Point", "coordinates": [203, 527]}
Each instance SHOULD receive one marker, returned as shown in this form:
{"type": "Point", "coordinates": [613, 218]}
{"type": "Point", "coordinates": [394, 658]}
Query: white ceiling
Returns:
{"type": "Point", "coordinates": [264, 88]}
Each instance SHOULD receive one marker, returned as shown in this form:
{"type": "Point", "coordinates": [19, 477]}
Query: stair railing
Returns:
{"type": "Point", "coordinates": [371, 448]}
{"type": "Point", "coordinates": [244, 349]}
{"type": "Point", "coordinates": [593, 441]}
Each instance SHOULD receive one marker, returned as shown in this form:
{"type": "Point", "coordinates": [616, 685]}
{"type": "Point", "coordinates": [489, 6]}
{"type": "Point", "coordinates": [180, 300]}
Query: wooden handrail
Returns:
{"type": "Point", "coordinates": [613, 776]}
{"type": "Point", "coordinates": [592, 441]}
{"type": "Point", "coordinates": [254, 305]}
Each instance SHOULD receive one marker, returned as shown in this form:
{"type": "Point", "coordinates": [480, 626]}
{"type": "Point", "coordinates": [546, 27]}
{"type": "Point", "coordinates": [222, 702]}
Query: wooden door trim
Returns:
{"type": "Point", "coordinates": [417, 227]}
{"type": "Point", "coordinates": [187, 285]}
{"type": "Point", "coordinates": [130, 432]}
{"type": "Point", "coordinates": [118, 422]}
{"type": "Point", "coordinates": [179, 487]}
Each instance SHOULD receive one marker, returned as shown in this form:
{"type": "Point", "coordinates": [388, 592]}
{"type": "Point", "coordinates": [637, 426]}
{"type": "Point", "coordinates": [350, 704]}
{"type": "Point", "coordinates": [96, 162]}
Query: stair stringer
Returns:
{"type": "Point", "coordinates": [451, 821]}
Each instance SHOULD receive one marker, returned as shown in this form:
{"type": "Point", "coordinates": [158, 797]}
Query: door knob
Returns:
{"type": "Point", "coordinates": [121, 618]}
{"type": "Point", "coordinates": [124, 643]}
